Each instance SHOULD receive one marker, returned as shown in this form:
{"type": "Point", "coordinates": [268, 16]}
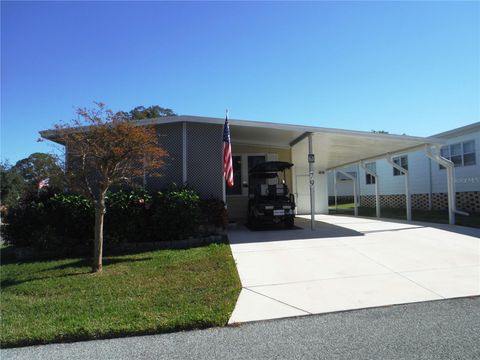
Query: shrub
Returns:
{"type": "Point", "coordinates": [214, 212]}
{"type": "Point", "coordinates": [64, 221]}
{"type": "Point", "coordinates": [176, 213]}
{"type": "Point", "coordinates": [26, 225]}
{"type": "Point", "coordinates": [51, 222]}
{"type": "Point", "coordinates": [128, 216]}
{"type": "Point", "coordinates": [72, 218]}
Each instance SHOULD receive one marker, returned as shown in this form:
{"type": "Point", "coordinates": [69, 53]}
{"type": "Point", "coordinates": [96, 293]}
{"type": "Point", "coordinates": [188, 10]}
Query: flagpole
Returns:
{"type": "Point", "coordinates": [224, 189]}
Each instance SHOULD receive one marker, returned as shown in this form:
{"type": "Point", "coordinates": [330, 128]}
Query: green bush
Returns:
{"type": "Point", "coordinates": [128, 216]}
{"type": "Point", "coordinates": [48, 223]}
{"type": "Point", "coordinates": [176, 214]}
{"type": "Point", "coordinates": [214, 212]}
{"type": "Point", "coordinates": [63, 221]}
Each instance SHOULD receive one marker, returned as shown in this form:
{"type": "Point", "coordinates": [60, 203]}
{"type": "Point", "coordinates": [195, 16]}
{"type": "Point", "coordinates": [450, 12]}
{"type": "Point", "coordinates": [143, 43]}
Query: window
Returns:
{"type": "Point", "coordinates": [403, 162]}
{"type": "Point", "coordinates": [461, 154]}
{"type": "Point", "coordinates": [236, 189]}
{"type": "Point", "coordinates": [369, 179]}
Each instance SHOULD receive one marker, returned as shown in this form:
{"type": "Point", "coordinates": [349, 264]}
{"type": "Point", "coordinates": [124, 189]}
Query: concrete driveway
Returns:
{"type": "Point", "coordinates": [351, 263]}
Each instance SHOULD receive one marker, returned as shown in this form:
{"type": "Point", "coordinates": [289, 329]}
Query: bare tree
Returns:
{"type": "Point", "coordinates": [106, 148]}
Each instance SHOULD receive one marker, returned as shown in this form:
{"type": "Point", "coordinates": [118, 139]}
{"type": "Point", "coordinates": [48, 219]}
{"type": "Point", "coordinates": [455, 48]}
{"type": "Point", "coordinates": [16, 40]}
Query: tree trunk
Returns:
{"type": "Point", "coordinates": [98, 241]}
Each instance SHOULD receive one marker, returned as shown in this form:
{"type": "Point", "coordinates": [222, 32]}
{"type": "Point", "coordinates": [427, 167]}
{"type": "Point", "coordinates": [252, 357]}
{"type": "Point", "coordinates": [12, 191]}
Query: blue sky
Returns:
{"type": "Point", "coordinates": [402, 67]}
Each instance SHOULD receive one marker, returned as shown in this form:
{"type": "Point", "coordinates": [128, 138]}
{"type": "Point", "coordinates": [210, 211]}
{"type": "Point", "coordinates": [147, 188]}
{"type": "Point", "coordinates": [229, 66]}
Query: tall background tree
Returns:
{"type": "Point", "coordinates": [12, 185]}
{"type": "Point", "coordinates": [142, 112]}
{"type": "Point", "coordinates": [39, 166]}
{"type": "Point", "coordinates": [107, 148]}
{"type": "Point", "coordinates": [21, 180]}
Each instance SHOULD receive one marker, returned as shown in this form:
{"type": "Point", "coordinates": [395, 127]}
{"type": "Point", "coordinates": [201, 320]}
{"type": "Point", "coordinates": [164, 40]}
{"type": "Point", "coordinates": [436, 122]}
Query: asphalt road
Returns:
{"type": "Point", "coordinates": [447, 329]}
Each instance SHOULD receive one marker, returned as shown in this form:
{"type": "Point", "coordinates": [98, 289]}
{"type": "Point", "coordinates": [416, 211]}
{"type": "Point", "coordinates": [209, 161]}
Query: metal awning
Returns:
{"type": "Point", "coordinates": [332, 147]}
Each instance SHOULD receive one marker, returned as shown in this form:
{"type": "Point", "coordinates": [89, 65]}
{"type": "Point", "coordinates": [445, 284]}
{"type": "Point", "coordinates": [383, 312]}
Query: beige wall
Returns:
{"type": "Point", "coordinates": [237, 204]}
{"type": "Point", "coordinates": [283, 155]}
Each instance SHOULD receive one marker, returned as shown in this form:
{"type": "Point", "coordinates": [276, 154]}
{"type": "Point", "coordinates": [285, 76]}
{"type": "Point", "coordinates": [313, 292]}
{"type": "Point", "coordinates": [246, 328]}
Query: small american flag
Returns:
{"type": "Point", "coordinates": [227, 154]}
{"type": "Point", "coordinates": [44, 183]}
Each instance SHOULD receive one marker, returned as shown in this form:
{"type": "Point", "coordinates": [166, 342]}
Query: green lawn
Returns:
{"type": "Point", "coordinates": [418, 215]}
{"type": "Point", "coordinates": [152, 292]}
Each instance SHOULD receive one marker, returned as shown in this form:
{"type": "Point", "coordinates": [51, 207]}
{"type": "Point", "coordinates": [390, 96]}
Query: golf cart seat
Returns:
{"type": "Point", "coordinates": [278, 190]}
{"type": "Point", "coordinates": [262, 190]}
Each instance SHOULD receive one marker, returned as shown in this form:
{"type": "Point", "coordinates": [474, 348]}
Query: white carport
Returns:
{"type": "Point", "coordinates": [333, 150]}
{"type": "Point", "coordinates": [329, 150]}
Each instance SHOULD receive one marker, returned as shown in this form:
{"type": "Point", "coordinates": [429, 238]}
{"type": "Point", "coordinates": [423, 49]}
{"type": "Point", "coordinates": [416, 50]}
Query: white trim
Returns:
{"type": "Point", "coordinates": [264, 145]}
{"type": "Point", "coordinates": [458, 131]}
{"type": "Point", "coordinates": [280, 126]}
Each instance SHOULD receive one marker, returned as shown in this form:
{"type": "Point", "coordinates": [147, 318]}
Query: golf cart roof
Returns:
{"type": "Point", "coordinates": [270, 167]}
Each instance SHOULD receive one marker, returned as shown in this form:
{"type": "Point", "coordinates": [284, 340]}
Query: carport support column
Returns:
{"type": "Point", "coordinates": [354, 181]}
{"type": "Point", "coordinates": [311, 160]}
{"type": "Point", "coordinates": [377, 195]}
{"type": "Point", "coordinates": [407, 186]}
{"type": "Point", "coordinates": [335, 188]}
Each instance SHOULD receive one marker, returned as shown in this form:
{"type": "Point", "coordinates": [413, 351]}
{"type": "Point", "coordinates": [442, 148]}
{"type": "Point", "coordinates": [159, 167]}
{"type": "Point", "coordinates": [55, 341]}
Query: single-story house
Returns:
{"type": "Point", "coordinates": [428, 180]}
{"type": "Point", "coordinates": [195, 150]}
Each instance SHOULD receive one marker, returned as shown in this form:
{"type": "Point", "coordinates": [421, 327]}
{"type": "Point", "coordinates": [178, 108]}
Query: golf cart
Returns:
{"type": "Point", "coordinates": [270, 201]}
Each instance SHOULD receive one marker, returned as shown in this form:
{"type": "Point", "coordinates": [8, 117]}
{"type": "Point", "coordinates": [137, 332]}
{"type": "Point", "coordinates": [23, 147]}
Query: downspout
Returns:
{"type": "Point", "coordinates": [448, 164]}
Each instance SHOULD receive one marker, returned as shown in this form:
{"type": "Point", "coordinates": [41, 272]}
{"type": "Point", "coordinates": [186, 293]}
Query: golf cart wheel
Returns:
{"type": "Point", "coordinates": [289, 222]}
{"type": "Point", "coordinates": [252, 221]}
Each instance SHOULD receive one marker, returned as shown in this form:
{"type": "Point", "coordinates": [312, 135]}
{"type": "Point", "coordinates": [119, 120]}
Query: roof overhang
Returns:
{"type": "Point", "coordinates": [333, 147]}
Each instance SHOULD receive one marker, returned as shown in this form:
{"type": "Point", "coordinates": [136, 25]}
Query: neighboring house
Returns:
{"type": "Point", "coordinates": [427, 179]}
{"type": "Point", "coordinates": [195, 149]}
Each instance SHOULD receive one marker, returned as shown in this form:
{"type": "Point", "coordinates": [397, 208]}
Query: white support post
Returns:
{"type": "Point", "coordinates": [407, 186]}
{"type": "Point", "coordinates": [452, 207]}
{"type": "Point", "coordinates": [377, 195]}
{"type": "Point", "coordinates": [311, 160]}
{"type": "Point", "coordinates": [335, 189]}
{"type": "Point", "coordinates": [354, 181]}
{"type": "Point", "coordinates": [184, 151]}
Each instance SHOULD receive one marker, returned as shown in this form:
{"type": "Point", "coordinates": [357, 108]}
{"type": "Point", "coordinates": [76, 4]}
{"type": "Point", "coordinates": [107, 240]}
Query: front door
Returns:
{"type": "Point", "coordinates": [302, 194]}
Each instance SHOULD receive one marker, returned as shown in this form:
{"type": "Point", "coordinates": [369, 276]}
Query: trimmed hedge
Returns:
{"type": "Point", "coordinates": [65, 221]}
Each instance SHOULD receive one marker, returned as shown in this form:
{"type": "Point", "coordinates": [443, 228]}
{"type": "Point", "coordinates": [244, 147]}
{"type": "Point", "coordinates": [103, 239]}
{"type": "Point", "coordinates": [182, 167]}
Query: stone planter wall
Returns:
{"type": "Point", "coordinates": [209, 235]}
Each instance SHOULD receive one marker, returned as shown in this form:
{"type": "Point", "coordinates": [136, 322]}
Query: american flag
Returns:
{"type": "Point", "coordinates": [44, 183]}
{"type": "Point", "coordinates": [227, 154]}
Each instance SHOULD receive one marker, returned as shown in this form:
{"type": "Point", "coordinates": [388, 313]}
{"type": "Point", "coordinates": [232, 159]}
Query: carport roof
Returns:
{"type": "Point", "coordinates": [333, 147]}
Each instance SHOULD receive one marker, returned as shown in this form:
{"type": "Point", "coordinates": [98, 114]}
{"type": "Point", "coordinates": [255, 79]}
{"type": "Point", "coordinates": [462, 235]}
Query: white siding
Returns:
{"type": "Point", "coordinates": [467, 178]}
{"type": "Point", "coordinates": [389, 184]}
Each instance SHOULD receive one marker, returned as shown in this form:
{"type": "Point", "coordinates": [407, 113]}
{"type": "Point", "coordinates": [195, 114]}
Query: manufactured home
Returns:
{"type": "Point", "coordinates": [428, 180]}
{"type": "Point", "coordinates": [195, 147]}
